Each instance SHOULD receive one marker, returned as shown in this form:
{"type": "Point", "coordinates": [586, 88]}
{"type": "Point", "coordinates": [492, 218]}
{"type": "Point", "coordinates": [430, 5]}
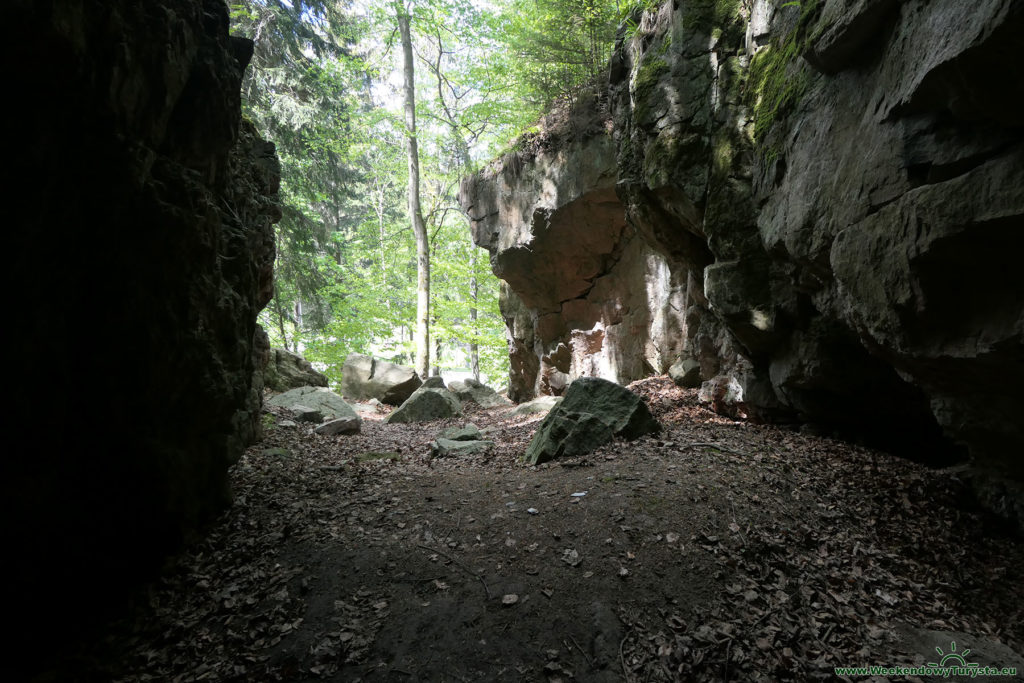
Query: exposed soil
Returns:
{"type": "Point", "coordinates": [716, 550]}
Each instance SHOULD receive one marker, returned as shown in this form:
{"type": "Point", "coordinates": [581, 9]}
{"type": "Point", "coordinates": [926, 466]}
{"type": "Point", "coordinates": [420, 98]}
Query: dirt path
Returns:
{"type": "Point", "coordinates": [717, 550]}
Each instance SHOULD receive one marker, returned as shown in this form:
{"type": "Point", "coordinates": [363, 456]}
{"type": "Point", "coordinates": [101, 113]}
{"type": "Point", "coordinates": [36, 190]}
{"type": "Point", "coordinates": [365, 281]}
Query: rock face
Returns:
{"type": "Point", "coordinates": [365, 377]}
{"type": "Point", "coordinates": [834, 192]}
{"type": "Point", "coordinates": [286, 370]}
{"type": "Point", "coordinates": [583, 294]}
{"type": "Point", "coordinates": [471, 390]}
{"type": "Point", "coordinates": [594, 410]}
{"type": "Point", "coordinates": [426, 405]}
{"type": "Point", "coordinates": [136, 182]}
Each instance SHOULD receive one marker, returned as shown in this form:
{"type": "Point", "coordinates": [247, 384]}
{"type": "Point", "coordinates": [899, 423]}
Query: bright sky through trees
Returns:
{"type": "Point", "coordinates": [325, 85]}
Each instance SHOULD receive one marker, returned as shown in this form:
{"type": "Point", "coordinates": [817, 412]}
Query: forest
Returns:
{"type": "Point", "coordinates": [748, 267]}
{"type": "Point", "coordinates": [378, 109]}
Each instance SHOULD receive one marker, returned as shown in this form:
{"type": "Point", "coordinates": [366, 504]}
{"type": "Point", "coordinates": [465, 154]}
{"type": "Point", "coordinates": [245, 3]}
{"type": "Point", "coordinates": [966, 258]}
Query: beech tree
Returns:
{"type": "Point", "coordinates": [415, 212]}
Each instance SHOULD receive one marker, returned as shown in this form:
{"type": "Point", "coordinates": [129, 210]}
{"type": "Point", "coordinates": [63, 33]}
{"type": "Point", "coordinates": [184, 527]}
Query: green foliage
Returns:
{"type": "Point", "coordinates": [778, 78]}
{"type": "Point", "coordinates": [345, 272]}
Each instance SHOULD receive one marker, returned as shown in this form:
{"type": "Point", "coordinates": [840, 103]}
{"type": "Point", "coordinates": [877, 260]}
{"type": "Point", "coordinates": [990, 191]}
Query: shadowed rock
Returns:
{"type": "Point", "coordinates": [286, 370]}
{"type": "Point", "coordinates": [594, 411]}
{"type": "Point", "coordinates": [471, 390]}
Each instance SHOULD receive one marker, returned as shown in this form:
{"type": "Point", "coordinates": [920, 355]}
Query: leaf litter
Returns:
{"type": "Point", "coordinates": [715, 550]}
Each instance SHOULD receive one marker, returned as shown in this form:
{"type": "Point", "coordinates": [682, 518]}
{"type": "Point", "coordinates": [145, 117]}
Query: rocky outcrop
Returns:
{"type": "Point", "coordinates": [366, 377]}
{"type": "Point", "coordinates": [835, 191]}
{"type": "Point", "coordinates": [286, 370]}
{"type": "Point", "coordinates": [584, 295]}
{"type": "Point", "coordinates": [139, 236]}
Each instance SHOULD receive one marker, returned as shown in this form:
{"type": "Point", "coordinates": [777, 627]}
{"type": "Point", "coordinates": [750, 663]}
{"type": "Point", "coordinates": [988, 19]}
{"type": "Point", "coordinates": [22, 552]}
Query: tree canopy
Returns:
{"type": "Point", "coordinates": [326, 86]}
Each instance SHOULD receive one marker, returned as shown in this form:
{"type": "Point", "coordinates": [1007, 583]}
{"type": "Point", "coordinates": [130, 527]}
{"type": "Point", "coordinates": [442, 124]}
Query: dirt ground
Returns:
{"type": "Point", "coordinates": [715, 550]}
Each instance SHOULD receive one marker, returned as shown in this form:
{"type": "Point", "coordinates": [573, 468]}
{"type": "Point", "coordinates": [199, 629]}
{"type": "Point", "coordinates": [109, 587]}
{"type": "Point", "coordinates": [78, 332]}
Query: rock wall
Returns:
{"type": "Point", "coordinates": [141, 250]}
{"type": "Point", "coordinates": [841, 183]}
{"type": "Point", "coordinates": [583, 294]}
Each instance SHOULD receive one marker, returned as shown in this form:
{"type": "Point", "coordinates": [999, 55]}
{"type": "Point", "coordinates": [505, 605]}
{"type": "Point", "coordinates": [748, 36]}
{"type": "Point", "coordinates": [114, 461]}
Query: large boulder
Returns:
{"type": "Point", "coordinates": [366, 377]}
{"type": "Point", "coordinates": [286, 370]}
{"type": "Point", "coordinates": [470, 390]}
{"type": "Point", "coordinates": [426, 405]}
{"type": "Point", "coordinates": [592, 412]}
{"type": "Point", "coordinates": [324, 401]}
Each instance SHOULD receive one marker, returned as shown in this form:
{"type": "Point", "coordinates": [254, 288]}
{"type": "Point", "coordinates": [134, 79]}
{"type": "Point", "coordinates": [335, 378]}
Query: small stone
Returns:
{"type": "Point", "coordinates": [509, 599]}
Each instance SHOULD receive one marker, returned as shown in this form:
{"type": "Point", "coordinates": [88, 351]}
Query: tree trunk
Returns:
{"type": "Point", "coordinates": [419, 228]}
{"type": "Point", "coordinates": [474, 347]}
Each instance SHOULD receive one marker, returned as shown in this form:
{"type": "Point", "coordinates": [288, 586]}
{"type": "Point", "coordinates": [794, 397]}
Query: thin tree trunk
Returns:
{"type": "Point", "coordinates": [280, 318]}
{"type": "Point", "coordinates": [474, 347]}
{"type": "Point", "coordinates": [416, 214]}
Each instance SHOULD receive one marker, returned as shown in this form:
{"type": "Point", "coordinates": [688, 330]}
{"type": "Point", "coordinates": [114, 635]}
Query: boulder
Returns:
{"type": "Point", "coordinates": [468, 433]}
{"type": "Point", "coordinates": [426, 405]}
{"type": "Point", "coordinates": [446, 447]}
{"type": "Point", "coordinates": [365, 377]}
{"type": "Point", "coordinates": [686, 373]}
{"type": "Point", "coordinates": [435, 382]}
{"type": "Point", "coordinates": [537, 406]}
{"type": "Point", "coordinates": [342, 425]}
{"type": "Point", "coordinates": [326, 402]}
{"type": "Point", "coordinates": [724, 395]}
{"type": "Point", "coordinates": [565, 433]}
{"type": "Point", "coordinates": [286, 370]}
{"type": "Point", "coordinates": [304, 413]}
{"type": "Point", "coordinates": [593, 411]}
{"type": "Point", "coordinates": [471, 390]}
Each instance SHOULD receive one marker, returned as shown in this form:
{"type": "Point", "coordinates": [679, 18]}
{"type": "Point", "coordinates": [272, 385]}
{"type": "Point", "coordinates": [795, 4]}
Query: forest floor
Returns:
{"type": "Point", "coordinates": [715, 550]}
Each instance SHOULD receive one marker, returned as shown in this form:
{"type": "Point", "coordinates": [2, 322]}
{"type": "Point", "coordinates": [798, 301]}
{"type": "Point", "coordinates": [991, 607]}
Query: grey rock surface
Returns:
{"type": "Point", "coordinates": [469, 432]}
{"type": "Point", "coordinates": [426, 405]}
{"type": "Point", "coordinates": [448, 447]}
{"type": "Point", "coordinates": [326, 402]}
{"type": "Point", "coordinates": [286, 370]}
{"type": "Point", "coordinates": [847, 254]}
{"type": "Point", "coordinates": [593, 411]}
{"type": "Point", "coordinates": [341, 425]}
{"type": "Point", "coordinates": [471, 390]}
{"type": "Point", "coordinates": [365, 377]}
{"type": "Point", "coordinates": [434, 382]}
{"type": "Point", "coordinates": [686, 373]}
{"type": "Point", "coordinates": [304, 413]}
{"type": "Point", "coordinates": [538, 406]}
